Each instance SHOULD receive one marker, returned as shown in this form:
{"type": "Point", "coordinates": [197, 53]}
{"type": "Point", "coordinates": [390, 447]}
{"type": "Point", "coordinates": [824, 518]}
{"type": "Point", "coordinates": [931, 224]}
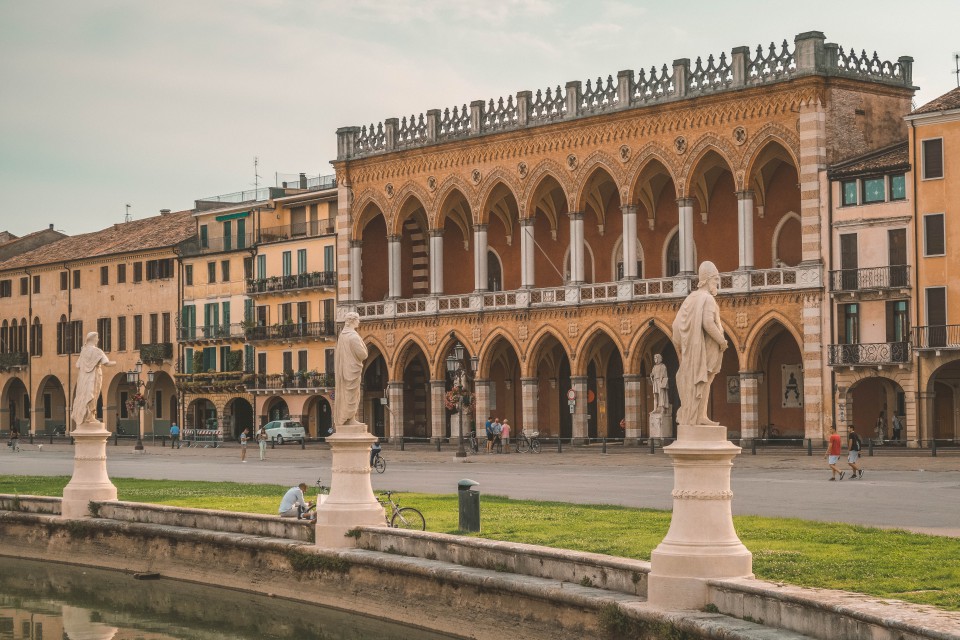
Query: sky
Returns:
{"type": "Point", "coordinates": [105, 103]}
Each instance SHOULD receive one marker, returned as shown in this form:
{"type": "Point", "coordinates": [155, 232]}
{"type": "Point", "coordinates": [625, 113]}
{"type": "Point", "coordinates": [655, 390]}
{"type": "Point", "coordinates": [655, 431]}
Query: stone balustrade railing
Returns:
{"type": "Point", "coordinates": [810, 55]}
{"type": "Point", "coordinates": [735, 283]}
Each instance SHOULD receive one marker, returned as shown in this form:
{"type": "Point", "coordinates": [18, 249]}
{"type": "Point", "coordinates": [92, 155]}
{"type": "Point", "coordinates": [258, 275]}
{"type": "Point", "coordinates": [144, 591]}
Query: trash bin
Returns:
{"type": "Point", "coordinates": [469, 505]}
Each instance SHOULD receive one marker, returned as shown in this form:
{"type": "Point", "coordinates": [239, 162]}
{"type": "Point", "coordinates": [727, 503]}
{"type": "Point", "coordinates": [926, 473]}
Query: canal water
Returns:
{"type": "Point", "coordinates": [45, 601]}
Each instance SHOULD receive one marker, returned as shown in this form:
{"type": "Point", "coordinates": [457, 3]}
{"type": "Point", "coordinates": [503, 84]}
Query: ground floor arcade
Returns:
{"type": "Point", "coordinates": [313, 408]}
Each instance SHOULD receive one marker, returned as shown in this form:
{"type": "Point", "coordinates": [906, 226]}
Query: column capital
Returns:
{"type": "Point", "coordinates": [435, 233]}
{"type": "Point", "coordinates": [575, 215]}
{"type": "Point", "coordinates": [526, 222]}
{"type": "Point", "coordinates": [632, 377]}
{"type": "Point", "coordinates": [393, 238]}
{"type": "Point", "coordinates": [684, 202]}
{"type": "Point", "coordinates": [529, 381]}
{"type": "Point", "coordinates": [479, 227]}
{"type": "Point", "coordinates": [628, 209]}
{"type": "Point", "coordinates": [746, 194]}
{"type": "Point", "coordinates": [394, 385]}
{"type": "Point", "coordinates": [751, 375]}
{"type": "Point", "coordinates": [355, 244]}
{"type": "Point", "coordinates": [578, 379]}
{"type": "Point", "coordinates": [437, 382]}
{"type": "Point", "coordinates": [477, 381]}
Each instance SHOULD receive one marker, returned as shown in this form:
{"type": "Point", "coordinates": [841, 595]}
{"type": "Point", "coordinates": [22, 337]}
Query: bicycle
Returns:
{"type": "Point", "coordinates": [379, 463]}
{"type": "Point", "coordinates": [470, 443]}
{"type": "Point", "coordinates": [401, 517]}
{"type": "Point", "coordinates": [529, 443]}
{"type": "Point", "coordinates": [769, 431]}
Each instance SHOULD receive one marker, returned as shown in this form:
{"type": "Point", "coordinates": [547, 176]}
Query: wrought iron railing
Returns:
{"type": "Point", "coordinates": [156, 353]}
{"type": "Point", "coordinates": [306, 380]}
{"type": "Point", "coordinates": [871, 354]}
{"type": "Point", "coordinates": [291, 330]}
{"type": "Point", "coordinates": [870, 278]}
{"type": "Point", "coordinates": [213, 382]}
{"type": "Point", "coordinates": [200, 246]}
{"type": "Point", "coordinates": [305, 229]}
{"type": "Point", "coordinates": [15, 359]}
{"type": "Point", "coordinates": [211, 332]}
{"type": "Point", "coordinates": [941, 337]}
{"type": "Point", "coordinates": [287, 283]}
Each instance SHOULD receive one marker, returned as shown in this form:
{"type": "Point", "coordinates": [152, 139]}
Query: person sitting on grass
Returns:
{"type": "Point", "coordinates": [293, 505]}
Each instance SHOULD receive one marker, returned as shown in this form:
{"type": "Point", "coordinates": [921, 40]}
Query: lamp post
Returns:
{"type": "Point", "coordinates": [133, 378]}
{"type": "Point", "coordinates": [456, 365]}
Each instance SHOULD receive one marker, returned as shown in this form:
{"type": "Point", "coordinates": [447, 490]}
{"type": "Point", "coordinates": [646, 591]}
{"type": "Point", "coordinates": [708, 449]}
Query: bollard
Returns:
{"type": "Point", "coordinates": [870, 447]}
{"type": "Point", "coordinates": [438, 444]}
{"type": "Point", "coordinates": [51, 438]}
{"type": "Point", "coordinates": [401, 443]}
{"type": "Point", "coordinates": [31, 438]}
{"type": "Point", "coordinates": [273, 443]}
{"type": "Point", "coordinates": [303, 444]}
{"type": "Point", "coordinates": [653, 446]}
{"type": "Point", "coordinates": [753, 446]}
{"type": "Point", "coordinates": [469, 504]}
{"type": "Point", "coordinates": [116, 438]}
{"type": "Point", "coordinates": [604, 449]}
{"type": "Point", "coordinates": [933, 448]}
{"type": "Point", "coordinates": [559, 444]}
{"type": "Point", "coordinates": [809, 447]}
{"type": "Point", "coordinates": [71, 441]}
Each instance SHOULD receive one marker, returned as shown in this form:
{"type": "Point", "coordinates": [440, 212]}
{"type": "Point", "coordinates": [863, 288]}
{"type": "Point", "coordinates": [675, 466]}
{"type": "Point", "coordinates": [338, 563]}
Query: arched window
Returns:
{"type": "Point", "coordinates": [12, 337]}
{"type": "Point", "coordinates": [22, 346]}
{"type": "Point", "coordinates": [36, 338]}
{"type": "Point", "coordinates": [673, 256]}
{"type": "Point", "coordinates": [494, 272]}
{"type": "Point", "coordinates": [3, 337]}
{"type": "Point", "coordinates": [62, 335]}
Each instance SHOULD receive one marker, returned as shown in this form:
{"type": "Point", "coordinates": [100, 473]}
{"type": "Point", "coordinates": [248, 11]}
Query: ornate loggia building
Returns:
{"type": "Point", "coordinates": [555, 233]}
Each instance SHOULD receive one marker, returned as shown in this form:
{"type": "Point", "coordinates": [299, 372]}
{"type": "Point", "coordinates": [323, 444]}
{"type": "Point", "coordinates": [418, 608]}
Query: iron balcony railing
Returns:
{"type": "Point", "coordinates": [156, 353]}
{"type": "Point", "coordinates": [303, 181]}
{"type": "Point", "coordinates": [870, 354]}
{"type": "Point", "coordinates": [310, 280]}
{"type": "Point", "coordinates": [274, 381]}
{"type": "Point", "coordinates": [291, 330]}
{"type": "Point", "coordinates": [15, 359]}
{"type": "Point", "coordinates": [870, 279]}
{"type": "Point", "coordinates": [940, 337]}
{"type": "Point", "coordinates": [305, 229]}
{"type": "Point", "coordinates": [200, 246]}
{"type": "Point", "coordinates": [211, 332]}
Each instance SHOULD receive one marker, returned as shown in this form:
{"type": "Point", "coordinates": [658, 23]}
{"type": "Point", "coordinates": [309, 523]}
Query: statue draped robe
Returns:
{"type": "Point", "coordinates": [348, 368]}
{"type": "Point", "coordinates": [698, 339]}
{"type": "Point", "coordinates": [89, 383]}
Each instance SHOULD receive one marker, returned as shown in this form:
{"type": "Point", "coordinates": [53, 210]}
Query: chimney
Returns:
{"type": "Point", "coordinates": [51, 227]}
{"type": "Point", "coordinates": [164, 212]}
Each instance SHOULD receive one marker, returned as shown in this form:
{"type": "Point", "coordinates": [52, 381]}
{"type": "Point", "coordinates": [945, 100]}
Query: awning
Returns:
{"type": "Point", "coordinates": [232, 216]}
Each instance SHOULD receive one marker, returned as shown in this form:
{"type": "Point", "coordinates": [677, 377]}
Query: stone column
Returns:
{"type": "Point", "coordinates": [90, 480]}
{"type": "Point", "coordinates": [438, 411]}
{"type": "Point", "coordinates": [629, 241]}
{"type": "Point", "coordinates": [576, 247]}
{"type": "Point", "coordinates": [749, 405]}
{"type": "Point", "coordinates": [481, 388]}
{"type": "Point", "coordinates": [926, 411]}
{"type": "Point", "coordinates": [527, 249]}
{"type": "Point", "coordinates": [701, 544]}
{"type": "Point", "coordinates": [356, 251]}
{"type": "Point", "coordinates": [394, 427]}
{"type": "Point", "coordinates": [633, 408]}
{"type": "Point", "coordinates": [480, 257]}
{"type": "Point", "coordinates": [529, 397]}
{"type": "Point", "coordinates": [745, 228]}
{"type": "Point", "coordinates": [685, 206]}
{"type": "Point", "coordinates": [580, 430]}
{"type": "Point", "coordinates": [436, 262]}
{"type": "Point", "coordinates": [351, 502]}
{"type": "Point", "coordinates": [813, 367]}
{"type": "Point", "coordinates": [393, 266]}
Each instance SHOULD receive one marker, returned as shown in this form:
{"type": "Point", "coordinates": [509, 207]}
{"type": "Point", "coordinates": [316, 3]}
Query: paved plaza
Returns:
{"type": "Point", "coordinates": [910, 490]}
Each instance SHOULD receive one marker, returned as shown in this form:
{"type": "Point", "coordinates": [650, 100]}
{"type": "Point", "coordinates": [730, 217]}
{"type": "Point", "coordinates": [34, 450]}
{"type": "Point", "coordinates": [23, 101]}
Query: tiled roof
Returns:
{"type": "Point", "coordinates": [892, 158]}
{"type": "Point", "coordinates": [127, 237]}
{"type": "Point", "coordinates": [949, 100]}
{"type": "Point", "coordinates": [6, 236]}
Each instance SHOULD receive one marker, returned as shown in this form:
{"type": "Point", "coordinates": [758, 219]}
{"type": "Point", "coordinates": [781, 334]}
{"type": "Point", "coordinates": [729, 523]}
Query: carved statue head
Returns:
{"type": "Point", "coordinates": [92, 338]}
{"type": "Point", "coordinates": [709, 277]}
{"type": "Point", "coordinates": [657, 358]}
{"type": "Point", "coordinates": [352, 320]}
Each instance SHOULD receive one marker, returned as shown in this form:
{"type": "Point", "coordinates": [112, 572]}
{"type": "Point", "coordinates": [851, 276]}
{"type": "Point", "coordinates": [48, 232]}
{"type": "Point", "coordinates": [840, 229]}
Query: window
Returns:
{"type": "Point", "coordinates": [122, 333]}
{"type": "Point", "coordinates": [138, 272]}
{"type": "Point", "coordinates": [204, 243]}
{"type": "Point", "coordinates": [287, 361]}
{"type": "Point", "coordinates": [224, 358]}
{"type": "Point", "coordinates": [933, 240]}
{"type": "Point", "coordinates": [328, 259]}
{"type": "Point", "coordinates": [104, 328]}
{"type": "Point", "coordinates": [137, 332]}
{"type": "Point", "coordinates": [261, 267]}
{"type": "Point", "coordinates": [302, 360]}
{"type": "Point", "coordinates": [63, 280]}
{"type": "Point", "coordinates": [898, 322]}
{"type": "Point", "coordinates": [188, 322]}
{"type": "Point", "coordinates": [6, 288]}
{"type": "Point", "coordinates": [287, 263]}
{"type": "Point", "coordinates": [75, 342]}
{"type": "Point", "coordinates": [227, 235]}
{"type": "Point", "coordinates": [211, 272]}
{"type": "Point", "coordinates": [248, 358]}
{"type": "Point", "coordinates": [225, 270]}
{"type": "Point", "coordinates": [104, 276]}
{"type": "Point", "coordinates": [262, 364]}
{"type": "Point", "coordinates": [166, 326]}
{"type": "Point", "coordinates": [154, 327]}
{"type": "Point", "coordinates": [932, 159]}
{"type": "Point", "coordinates": [301, 261]}
{"type": "Point", "coordinates": [211, 317]}
{"type": "Point", "coordinates": [225, 308]}
{"type": "Point", "coordinates": [24, 285]}
{"type": "Point", "coordinates": [329, 367]}
{"type": "Point", "coordinates": [241, 233]}
{"type": "Point", "coordinates": [302, 308]}
{"type": "Point", "coordinates": [188, 275]}
{"type": "Point", "coordinates": [248, 268]}
{"type": "Point", "coordinates": [36, 338]}
{"type": "Point", "coordinates": [62, 335]}
{"type": "Point", "coordinates": [327, 310]}
{"type": "Point", "coordinates": [209, 358]}
{"type": "Point", "coordinates": [262, 315]}
{"type": "Point", "coordinates": [936, 316]}
{"type": "Point", "coordinates": [848, 329]}
{"type": "Point", "coordinates": [898, 187]}
{"type": "Point", "coordinates": [36, 284]}
{"type": "Point", "coordinates": [159, 269]}
{"type": "Point", "coordinates": [897, 257]}
{"type": "Point", "coordinates": [121, 273]}
{"type": "Point", "coordinates": [849, 188]}
{"type": "Point", "coordinates": [286, 312]}
{"type": "Point", "coordinates": [188, 360]}
{"type": "Point", "coordinates": [76, 278]}
{"type": "Point", "coordinates": [874, 190]}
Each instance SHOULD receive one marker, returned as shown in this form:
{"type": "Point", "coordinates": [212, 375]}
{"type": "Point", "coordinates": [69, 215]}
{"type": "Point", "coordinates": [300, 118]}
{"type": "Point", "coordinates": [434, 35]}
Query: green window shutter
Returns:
{"type": "Point", "coordinates": [287, 263]}
{"type": "Point", "coordinates": [226, 314]}
{"type": "Point", "coordinates": [248, 358]}
{"type": "Point", "coordinates": [241, 234]}
{"type": "Point", "coordinates": [301, 261]}
{"type": "Point", "coordinates": [261, 267]}
{"type": "Point", "coordinates": [328, 259]}
{"type": "Point", "coordinates": [188, 361]}
{"type": "Point", "coordinates": [203, 237]}
{"type": "Point", "coordinates": [227, 236]}
{"type": "Point", "coordinates": [248, 310]}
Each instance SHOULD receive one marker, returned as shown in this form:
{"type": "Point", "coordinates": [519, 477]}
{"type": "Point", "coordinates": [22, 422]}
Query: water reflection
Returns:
{"type": "Point", "coordinates": [48, 601]}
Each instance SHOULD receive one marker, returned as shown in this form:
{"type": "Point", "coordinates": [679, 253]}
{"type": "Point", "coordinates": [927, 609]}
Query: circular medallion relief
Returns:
{"type": "Point", "coordinates": [680, 144]}
{"type": "Point", "coordinates": [572, 162]}
{"type": "Point", "coordinates": [476, 176]}
{"type": "Point", "coordinates": [432, 184]}
{"type": "Point", "coordinates": [522, 169]}
{"type": "Point", "coordinates": [739, 135]}
{"type": "Point", "coordinates": [624, 153]}
{"type": "Point", "coordinates": [389, 190]}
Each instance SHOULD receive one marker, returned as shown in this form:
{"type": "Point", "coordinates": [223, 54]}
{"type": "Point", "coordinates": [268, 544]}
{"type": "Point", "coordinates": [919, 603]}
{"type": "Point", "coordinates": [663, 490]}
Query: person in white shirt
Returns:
{"type": "Point", "coordinates": [293, 504]}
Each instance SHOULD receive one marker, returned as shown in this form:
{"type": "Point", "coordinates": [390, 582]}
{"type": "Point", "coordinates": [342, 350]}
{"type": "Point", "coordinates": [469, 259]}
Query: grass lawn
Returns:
{"type": "Point", "coordinates": [886, 563]}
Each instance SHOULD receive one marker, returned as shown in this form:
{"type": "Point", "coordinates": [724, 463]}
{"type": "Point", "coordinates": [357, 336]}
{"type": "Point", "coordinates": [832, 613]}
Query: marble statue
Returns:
{"type": "Point", "coordinates": [700, 343]}
{"type": "Point", "coordinates": [348, 369]}
{"type": "Point", "coordinates": [660, 380]}
{"type": "Point", "coordinates": [89, 380]}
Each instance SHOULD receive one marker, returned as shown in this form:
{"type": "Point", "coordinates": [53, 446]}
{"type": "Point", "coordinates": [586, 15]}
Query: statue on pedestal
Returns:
{"type": "Point", "coordinates": [660, 380]}
{"type": "Point", "coordinates": [700, 343]}
{"type": "Point", "coordinates": [89, 380]}
{"type": "Point", "coordinates": [348, 370]}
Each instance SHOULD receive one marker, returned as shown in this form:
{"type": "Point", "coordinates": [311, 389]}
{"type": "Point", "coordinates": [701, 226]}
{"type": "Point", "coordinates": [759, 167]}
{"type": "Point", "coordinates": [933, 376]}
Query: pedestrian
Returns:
{"type": "Point", "coordinates": [833, 453]}
{"type": "Point", "coordinates": [15, 439]}
{"type": "Point", "coordinates": [881, 430]}
{"type": "Point", "coordinates": [897, 427]}
{"type": "Point", "coordinates": [623, 427]}
{"type": "Point", "coordinates": [853, 445]}
{"type": "Point", "coordinates": [262, 441]}
{"type": "Point", "coordinates": [174, 436]}
{"type": "Point", "coordinates": [505, 435]}
{"type": "Point", "coordinates": [243, 444]}
{"type": "Point", "coordinates": [497, 433]}
{"type": "Point", "coordinates": [489, 429]}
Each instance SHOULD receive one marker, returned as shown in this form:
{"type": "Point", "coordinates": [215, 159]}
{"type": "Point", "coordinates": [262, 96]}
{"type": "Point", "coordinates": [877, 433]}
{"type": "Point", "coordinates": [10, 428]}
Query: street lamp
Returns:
{"type": "Point", "coordinates": [133, 378]}
{"type": "Point", "coordinates": [456, 366]}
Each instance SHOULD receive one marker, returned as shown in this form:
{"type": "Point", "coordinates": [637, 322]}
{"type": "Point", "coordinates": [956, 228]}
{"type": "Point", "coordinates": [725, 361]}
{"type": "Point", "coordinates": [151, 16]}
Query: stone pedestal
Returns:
{"type": "Point", "coordinates": [351, 502]}
{"type": "Point", "coordinates": [90, 480]}
{"type": "Point", "coordinates": [701, 544]}
{"type": "Point", "coordinates": [661, 424]}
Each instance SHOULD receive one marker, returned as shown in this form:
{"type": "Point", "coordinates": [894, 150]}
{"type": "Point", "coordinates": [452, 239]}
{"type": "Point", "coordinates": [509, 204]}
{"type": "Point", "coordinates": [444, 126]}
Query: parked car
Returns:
{"type": "Point", "coordinates": [281, 431]}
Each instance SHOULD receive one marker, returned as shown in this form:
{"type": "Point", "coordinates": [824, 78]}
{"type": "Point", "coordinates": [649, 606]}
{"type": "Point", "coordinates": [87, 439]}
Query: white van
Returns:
{"type": "Point", "coordinates": [281, 431]}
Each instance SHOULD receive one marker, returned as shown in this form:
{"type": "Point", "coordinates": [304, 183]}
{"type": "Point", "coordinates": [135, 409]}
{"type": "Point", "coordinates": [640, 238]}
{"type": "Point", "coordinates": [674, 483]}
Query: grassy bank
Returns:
{"type": "Point", "coordinates": [893, 564]}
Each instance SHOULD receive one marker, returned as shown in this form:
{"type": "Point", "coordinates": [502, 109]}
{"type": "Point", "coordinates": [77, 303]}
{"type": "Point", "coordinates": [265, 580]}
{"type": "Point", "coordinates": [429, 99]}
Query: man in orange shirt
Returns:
{"type": "Point", "coordinates": [833, 453]}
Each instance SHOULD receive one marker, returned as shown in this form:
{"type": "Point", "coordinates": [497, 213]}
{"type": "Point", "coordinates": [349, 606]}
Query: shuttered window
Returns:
{"type": "Point", "coordinates": [933, 241]}
{"type": "Point", "coordinates": [933, 158]}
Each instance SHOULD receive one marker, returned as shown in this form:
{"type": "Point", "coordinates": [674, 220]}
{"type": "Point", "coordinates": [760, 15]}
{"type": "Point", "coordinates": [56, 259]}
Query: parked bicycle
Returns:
{"type": "Point", "coordinates": [529, 443]}
{"type": "Point", "coordinates": [401, 517]}
{"type": "Point", "coordinates": [471, 444]}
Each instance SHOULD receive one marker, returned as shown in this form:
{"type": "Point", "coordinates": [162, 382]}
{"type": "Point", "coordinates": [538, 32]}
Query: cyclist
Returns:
{"type": "Point", "coordinates": [374, 452]}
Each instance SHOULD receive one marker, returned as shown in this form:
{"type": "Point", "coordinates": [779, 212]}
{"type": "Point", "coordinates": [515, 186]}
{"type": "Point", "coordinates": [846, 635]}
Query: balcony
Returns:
{"type": "Point", "coordinates": [214, 382]}
{"type": "Point", "coordinates": [944, 337]}
{"type": "Point", "coordinates": [278, 284]}
{"type": "Point", "coordinates": [291, 331]}
{"type": "Point", "coordinates": [12, 360]}
{"type": "Point", "coordinates": [218, 244]}
{"type": "Point", "coordinates": [156, 353]}
{"type": "Point", "coordinates": [891, 278]}
{"type": "Point", "coordinates": [234, 331]}
{"type": "Point", "coordinates": [873, 354]}
{"type": "Point", "coordinates": [306, 229]}
{"type": "Point", "coordinates": [736, 283]}
{"type": "Point", "coordinates": [306, 382]}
